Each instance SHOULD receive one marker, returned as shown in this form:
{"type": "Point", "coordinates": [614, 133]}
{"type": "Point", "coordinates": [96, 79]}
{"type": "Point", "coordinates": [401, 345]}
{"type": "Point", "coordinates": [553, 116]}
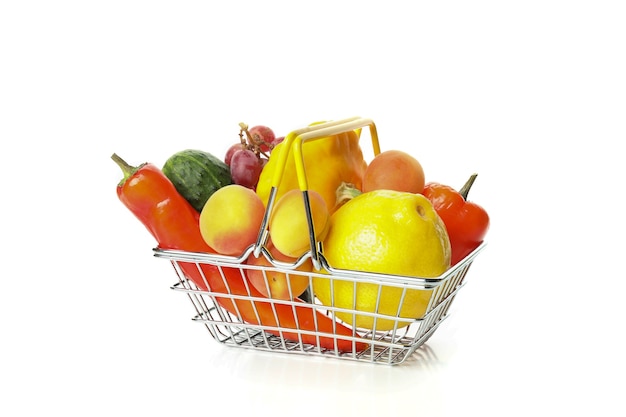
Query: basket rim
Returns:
{"type": "Point", "coordinates": [327, 270]}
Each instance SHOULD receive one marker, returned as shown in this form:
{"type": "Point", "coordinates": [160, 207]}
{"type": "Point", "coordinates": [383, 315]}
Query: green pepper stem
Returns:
{"type": "Point", "coordinates": [464, 191]}
{"type": "Point", "coordinates": [346, 192]}
{"type": "Point", "coordinates": [127, 169]}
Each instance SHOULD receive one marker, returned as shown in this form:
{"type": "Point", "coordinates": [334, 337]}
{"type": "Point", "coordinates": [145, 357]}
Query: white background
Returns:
{"type": "Point", "coordinates": [531, 95]}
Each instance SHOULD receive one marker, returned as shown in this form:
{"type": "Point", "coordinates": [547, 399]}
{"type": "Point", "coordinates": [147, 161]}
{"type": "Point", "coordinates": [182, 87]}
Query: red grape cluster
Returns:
{"type": "Point", "coordinates": [247, 158]}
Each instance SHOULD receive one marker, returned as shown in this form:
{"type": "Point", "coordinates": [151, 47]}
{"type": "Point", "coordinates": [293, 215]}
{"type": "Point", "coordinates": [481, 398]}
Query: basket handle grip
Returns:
{"type": "Point", "coordinates": [295, 139]}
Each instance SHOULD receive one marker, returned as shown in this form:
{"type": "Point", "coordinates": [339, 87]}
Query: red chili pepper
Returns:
{"type": "Point", "coordinates": [467, 223]}
{"type": "Point", "coordinates": [173, 222]}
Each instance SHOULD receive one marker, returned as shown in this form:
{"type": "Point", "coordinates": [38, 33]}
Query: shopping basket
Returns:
{"type": "Point", "coordinates": [301, 324]}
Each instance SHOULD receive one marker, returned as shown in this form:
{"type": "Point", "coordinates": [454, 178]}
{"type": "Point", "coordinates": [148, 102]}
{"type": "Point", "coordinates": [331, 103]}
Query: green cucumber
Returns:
{"type": "Point", "coordinates": [197, 175]}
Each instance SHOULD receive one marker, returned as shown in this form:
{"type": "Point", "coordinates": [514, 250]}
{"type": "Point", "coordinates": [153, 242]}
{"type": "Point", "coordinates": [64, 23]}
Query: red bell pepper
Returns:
{"type": "Point", "coordinates": [173, 222]}
{"type": "Point", "coordinates": [467, 222]}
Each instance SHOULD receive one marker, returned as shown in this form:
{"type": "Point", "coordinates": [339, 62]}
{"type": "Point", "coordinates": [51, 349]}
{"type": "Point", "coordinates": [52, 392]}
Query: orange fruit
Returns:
{"type": "Point", "coordinates": [231, 218]}
{"type": "Point", "coordinates": [394, 170]}
{"type": "Point", "coordinates": [282, 284]}
{"type": "Point", "coordinates": [387, 232]}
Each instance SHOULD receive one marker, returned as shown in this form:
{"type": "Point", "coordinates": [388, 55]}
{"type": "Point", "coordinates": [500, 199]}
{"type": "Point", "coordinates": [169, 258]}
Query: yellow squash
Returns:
{"type": "Point", "coordinates": [328, 162]}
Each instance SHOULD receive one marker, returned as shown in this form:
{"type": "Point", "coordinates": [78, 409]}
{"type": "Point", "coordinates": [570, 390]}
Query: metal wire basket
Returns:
{"type": "Point", "coordinates": [236, 314]}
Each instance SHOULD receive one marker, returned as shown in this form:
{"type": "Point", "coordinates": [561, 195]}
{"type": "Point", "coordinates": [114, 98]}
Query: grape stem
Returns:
{"type": "Point", "coordinates": [243, 128]}
{"type": "Point", "coordinates": [250, 142]}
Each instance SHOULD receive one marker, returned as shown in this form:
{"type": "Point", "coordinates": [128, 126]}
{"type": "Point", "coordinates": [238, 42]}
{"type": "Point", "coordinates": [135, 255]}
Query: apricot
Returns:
{"type": "Point", "coordinates": [288, 225]}
{"type": "Point", "coordinates": [279, 285]}
{"type": "Point", "coordinates": [231, 218]}
{"type": "Point", "coordinates": [394, 170]}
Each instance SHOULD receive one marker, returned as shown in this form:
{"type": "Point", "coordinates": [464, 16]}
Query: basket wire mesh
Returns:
{"type": "Point", "coordinates": [382, 346]}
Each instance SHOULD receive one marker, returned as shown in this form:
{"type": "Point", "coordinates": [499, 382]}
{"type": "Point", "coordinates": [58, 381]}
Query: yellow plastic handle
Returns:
{"type": "Point", "coordinates": [294, 140]}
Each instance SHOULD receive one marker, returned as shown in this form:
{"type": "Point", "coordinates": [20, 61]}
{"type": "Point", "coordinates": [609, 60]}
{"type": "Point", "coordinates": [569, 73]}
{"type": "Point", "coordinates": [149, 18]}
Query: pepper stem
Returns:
{"type": "Point", "coordinates": [344, 193]}
{"type": "Point", "coordinates": [464, 191]}
{"type": "Point", "coordinates": [128, 170]}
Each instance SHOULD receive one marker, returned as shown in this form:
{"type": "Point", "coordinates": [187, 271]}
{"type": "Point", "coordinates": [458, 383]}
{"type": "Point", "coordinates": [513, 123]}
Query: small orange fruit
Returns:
{"type": "Point", "coordinates": [280, 284]}
{"type": "Point", "coordinates": [231, 218]}
{"type": "Point", "coordinates": [394, 170]}
{"type": "Point", "coordinates": [288, 225]}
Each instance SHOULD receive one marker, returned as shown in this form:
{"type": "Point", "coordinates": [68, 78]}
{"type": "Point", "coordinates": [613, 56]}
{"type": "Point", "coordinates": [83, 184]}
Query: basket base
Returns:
{"type": "Point", "coordinates": [391, 348]}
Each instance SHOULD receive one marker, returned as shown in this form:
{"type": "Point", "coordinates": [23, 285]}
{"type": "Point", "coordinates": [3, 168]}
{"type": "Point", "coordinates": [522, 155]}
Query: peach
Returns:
{"type": "Point", "coordinates": [231, 218]}
{"type": "Point", "coordinates": [281, 285]}
{"type": "Point", "coordinates": [288, 224]}
{"type": "Point", "coordinates": [394, 170]}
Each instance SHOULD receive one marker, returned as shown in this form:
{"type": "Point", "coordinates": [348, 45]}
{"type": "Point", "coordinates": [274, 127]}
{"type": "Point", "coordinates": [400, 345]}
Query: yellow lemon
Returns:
{"type": "Point", "coordinates": [389, 232]}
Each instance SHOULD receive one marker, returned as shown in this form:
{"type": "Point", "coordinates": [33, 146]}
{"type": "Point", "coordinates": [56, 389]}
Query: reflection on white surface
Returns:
{"type": "Point", "coordinates": [328, 382]}
{"type": "Point", "coordinates": [291, 366]}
